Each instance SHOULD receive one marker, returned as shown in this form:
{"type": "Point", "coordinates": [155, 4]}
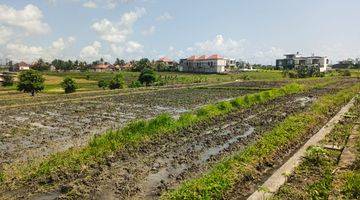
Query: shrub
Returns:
{"type": "Point", "coordinates": [117, 82]}
{"type": "Point", "coordinates": [238, 102]}
{"type": "Point", "coordinates": [307, 71]}
{"type": "Point", "coordinates": [208, 111]}
{"type": "Point", "coordinates": [8, 80]}
{"type": "Point", "coordinates": [346, 73]}
{"type": "Point", "coordinates": [69, 85]}
{"type": "Point", "coordinates": [352, 187]}
{"type": "Point", "coordinates": [103, 84]}
{"type": "Point", "coordinates": [135, 84]}
{"type": "Point", "coordinates": [31, 81]}
{"type": "Point", "coordinates": [245, 77]}
{"type": "Point", "coordinates": [224, 106]}
{"type": "Point", "coordinates": [147, 76]}
{"type": "Point", "coordinates": [316, 156]}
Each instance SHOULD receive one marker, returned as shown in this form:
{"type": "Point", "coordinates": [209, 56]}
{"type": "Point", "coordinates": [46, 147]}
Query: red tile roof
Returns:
{"type": "Point", "coordinates": [165, 59]}
{"type": "Point", "coordinates": [192, 58]}
{"type": "Point", "coordinates": [102, 66]}
{"type": "Point", "coordinates": [204, 57]}
{"type": "Point", "coordinates": [215, 56]}
{"type": "Point", "coordinates": [22, 63]}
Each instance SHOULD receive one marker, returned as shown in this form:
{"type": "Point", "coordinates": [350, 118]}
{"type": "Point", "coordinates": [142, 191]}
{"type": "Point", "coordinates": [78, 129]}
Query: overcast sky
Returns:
{"type": "Point", "coordinates": [253, 30]}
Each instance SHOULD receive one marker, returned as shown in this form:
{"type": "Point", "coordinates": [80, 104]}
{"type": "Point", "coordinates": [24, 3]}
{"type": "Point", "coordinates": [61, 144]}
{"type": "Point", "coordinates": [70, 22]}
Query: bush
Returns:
{"type": "Point", "coordinates": [135, 84]}
{"type": "Point", "coordinates": [352, 186]}
{"type": "Point", "coordinates": [69, 85]}
{"type": "Point", "coordinates": [307, 71]}
{"type": "Point", "coordinates": [346, 73]}
{"type": "Point", "coordinates": [147, 77]}
{"type": "Point", "coordinates": [31, 81]}
{"type": "Point", "coordinates": [245, 77]}
{"type": "Point", "coordinates": [8, 80]}
{"type": "Point", "coordinates": [316, 156]}
{"type": "Point", "coordinates": [103, 84]}
{"type": "Point", "coordinates": [117, 82]}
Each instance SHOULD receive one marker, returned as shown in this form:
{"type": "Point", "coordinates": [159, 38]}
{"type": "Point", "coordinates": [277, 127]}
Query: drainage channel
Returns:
{"type": "Point", "coordinates": [278, 178]}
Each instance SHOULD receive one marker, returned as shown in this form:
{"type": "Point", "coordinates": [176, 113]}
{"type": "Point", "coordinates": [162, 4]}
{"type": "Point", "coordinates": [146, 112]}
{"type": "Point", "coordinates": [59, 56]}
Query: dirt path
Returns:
{"type": "Point", "coordinates": [279, 177]}
{"type": "Point", "coordinates": [147, 171]}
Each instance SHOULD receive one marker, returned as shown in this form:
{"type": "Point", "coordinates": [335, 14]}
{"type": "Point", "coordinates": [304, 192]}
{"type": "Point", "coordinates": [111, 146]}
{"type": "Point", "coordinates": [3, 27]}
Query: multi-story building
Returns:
{"type": "Point", "coordinates": [292, 61]}
{"type": "Point", "coordinates": [207, 64]}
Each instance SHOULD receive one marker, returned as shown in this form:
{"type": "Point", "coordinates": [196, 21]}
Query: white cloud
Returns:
{"type": "Point", "coordinates": [110, 32]}
{"type": "Point", "coordinates": [128, 48]}
{"type": "Point", "coordinates": [227, 47]}
{"type": "Point", "coordinates": [267, 56]}
{"type": "Point", "coordinates": [22, 52]}
{"type": "Point", "coordinates": [90, 4]}
{"type": "Point", "coordinates": [134, 47]}
{"type": "Point", "coordinates": [165, 17]}
{"type": "Point", "coordinates": [108, 4]}
{"type": "Point", "coordinates": [118, 32]}
{"type": "Point", "coordinates": [175, 53]}
{"type": "Point", "coordinates": [151, 30]}
{"type": "Point", "coordinates": [58, 47]}
{"type": "Point", "coordinates": [30, 19]}
{"type": "Point", "coordinates": [129, 18]}
{"type": "Point", "coordinates": [93, 52]}
{"type": "Point", "coordinates": [17, 51]}
{"type": "Point", "coordinates": [111, 4]}
{"type": "Point", "coordinates": [5, 33]}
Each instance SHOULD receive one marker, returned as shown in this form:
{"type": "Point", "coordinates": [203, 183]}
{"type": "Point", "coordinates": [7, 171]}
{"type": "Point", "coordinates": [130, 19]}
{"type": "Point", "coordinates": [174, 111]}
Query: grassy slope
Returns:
{"type": "Point", "coordinates": [215, 183]}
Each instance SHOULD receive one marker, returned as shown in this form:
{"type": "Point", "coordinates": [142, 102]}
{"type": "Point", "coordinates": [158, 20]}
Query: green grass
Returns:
{"type": "Point", "coordinates": [100, 147]}
{"type": "Point", "coordinates": [171, 78]}
{"type": "Point", "coordinates": [351, 189]}
{"type": "Point", "coordinates": [215, 183]}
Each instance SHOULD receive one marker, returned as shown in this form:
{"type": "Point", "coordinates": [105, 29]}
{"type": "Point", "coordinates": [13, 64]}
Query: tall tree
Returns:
{"type": "Point", "coordinates": [31, 82]}
{"type": "Point", "coordinates": [142, 64]}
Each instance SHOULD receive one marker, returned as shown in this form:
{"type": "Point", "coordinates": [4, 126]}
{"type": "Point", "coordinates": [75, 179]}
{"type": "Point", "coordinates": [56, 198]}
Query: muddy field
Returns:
{"type": "Point", "coordinates": [32, 131]}
{"type": "Point", "coordinates": [147, 171]}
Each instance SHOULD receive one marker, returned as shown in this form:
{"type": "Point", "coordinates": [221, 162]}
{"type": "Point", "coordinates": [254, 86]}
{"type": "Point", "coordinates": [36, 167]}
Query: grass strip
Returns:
{"type": "Point", "coordinates": [224, 175]}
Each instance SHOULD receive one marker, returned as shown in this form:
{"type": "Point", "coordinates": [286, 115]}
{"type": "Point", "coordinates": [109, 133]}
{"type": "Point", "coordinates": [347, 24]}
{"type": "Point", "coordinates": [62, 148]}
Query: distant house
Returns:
{"type": "Point", "coordinates": [292, 61]}
{"type": "Point", "coordinates": [104, 67]}
{"type": "Point", "coordinates": [166, 61]}
{"type": "Point", "coordinates": [128, 66]}
{"type": "Point", "coordinates": [207, 64]}
{"type": "Point", "coordinates": [52, 68]}
{"type": "Point", "coordinates": [21, 66]}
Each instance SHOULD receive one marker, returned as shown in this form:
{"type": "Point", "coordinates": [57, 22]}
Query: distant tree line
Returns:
{"type": "Point", "coordinates": [347, 64]}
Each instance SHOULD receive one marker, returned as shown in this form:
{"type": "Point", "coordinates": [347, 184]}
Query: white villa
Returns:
{"type": "Point", "coordinates": [207, 64]}
{"type": "Point", "coordinates": [294, 60]}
